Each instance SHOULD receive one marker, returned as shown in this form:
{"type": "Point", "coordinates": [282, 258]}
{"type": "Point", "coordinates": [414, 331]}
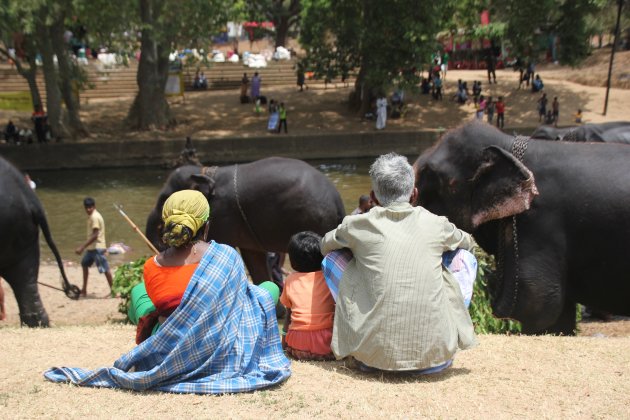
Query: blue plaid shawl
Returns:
{"type": "Point", "coordinates": [222, 338]}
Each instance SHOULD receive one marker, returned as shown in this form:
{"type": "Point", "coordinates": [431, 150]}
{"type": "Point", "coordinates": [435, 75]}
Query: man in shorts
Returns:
{"type": "Point", "coordinates": [95, 245]}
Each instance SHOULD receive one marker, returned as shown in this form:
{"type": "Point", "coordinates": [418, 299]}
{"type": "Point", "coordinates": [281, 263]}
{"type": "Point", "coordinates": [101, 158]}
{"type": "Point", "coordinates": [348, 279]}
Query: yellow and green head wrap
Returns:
{"type": "Point", "coordinates": [184, 209]}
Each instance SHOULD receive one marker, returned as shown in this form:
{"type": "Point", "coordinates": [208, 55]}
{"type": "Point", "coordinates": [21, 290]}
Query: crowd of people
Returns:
{"type": "Point", "coordinates": [250, 91]}
{"type": "Point", "coordinates": [24, 135]}
{"type": "Point", "coordinates": [210, 330]}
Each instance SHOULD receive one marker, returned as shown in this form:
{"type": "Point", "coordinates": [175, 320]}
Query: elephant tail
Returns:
{"type": "Point", "coordinates": [70, 290]}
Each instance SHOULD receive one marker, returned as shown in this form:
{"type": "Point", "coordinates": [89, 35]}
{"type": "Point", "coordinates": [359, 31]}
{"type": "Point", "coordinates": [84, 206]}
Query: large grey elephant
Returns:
{"type": "Point", "coordinates": [21, 217]}
{"type": "Point", "coordinates": [612, 132]}
{"type": "Point", "coordinates": [257, 206]}
{"type": "Point", "coordinates": [555, 214]}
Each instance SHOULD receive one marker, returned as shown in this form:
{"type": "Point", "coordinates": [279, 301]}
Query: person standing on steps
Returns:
{"type": "Point", "coordinates": [255, 86]}
{"type": "Point", "coordinates": [282, 112]}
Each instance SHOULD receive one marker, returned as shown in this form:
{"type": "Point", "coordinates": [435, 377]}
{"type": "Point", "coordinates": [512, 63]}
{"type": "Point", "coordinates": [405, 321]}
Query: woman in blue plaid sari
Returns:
{"type": "Point", "coordinates": [222, 338]}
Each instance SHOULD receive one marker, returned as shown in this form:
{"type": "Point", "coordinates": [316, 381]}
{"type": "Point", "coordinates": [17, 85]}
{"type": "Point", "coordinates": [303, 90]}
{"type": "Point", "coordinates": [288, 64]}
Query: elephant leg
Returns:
{"type": "Point", "coordinates": [566, 323]}
{"type": "Point", "coordinates": [543, 304]}
{"type": "Point", "coordinates": [256, 263]}
{"type": "Point", "coordinates": [22, 277]}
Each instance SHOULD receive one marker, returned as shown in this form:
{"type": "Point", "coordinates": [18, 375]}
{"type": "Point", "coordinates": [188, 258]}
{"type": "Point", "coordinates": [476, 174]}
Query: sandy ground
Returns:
{"type": "Point", "coordinates": [212, 114]}
{"type": "Point", "coordinates": [506, 376]}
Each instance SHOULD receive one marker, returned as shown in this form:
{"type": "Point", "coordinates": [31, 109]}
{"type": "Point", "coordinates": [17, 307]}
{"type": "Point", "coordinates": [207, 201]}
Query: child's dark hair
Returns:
{"type": "Point", "coordinates": [88, 202]}
{"type": "Point", "coordinates": [305, 253]}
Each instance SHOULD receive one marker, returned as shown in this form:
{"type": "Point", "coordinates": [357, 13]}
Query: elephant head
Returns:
{"type": "Point", "coordinates": [472, 178]}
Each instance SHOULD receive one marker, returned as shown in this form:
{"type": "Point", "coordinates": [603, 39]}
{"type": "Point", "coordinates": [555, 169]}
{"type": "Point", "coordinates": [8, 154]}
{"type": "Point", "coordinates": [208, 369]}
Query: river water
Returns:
{"type": "Point", "coordinates": [135, 189]}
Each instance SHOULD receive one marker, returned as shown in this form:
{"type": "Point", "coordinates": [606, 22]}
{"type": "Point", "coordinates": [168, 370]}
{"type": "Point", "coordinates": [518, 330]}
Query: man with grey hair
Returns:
{"type": "Point", "coordinates": [398, 308]}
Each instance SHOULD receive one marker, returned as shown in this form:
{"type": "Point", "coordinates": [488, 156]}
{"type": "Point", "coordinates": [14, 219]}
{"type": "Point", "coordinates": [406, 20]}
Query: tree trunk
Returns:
{"type": "Point", "coordinates": [284, 17]}
{"type": "Point", "coordinates": [67, 71]}
{"type": "Point", "coordinates": [53, 96]}
{"type": "Point", "coordinates": [31, 78]}
{"type": "Point", "coordinates": [29, 74]}
{"type": "Point", "coordinates": [282, 29]}
{"type": "Point", "coordinates": [360, 98]}
{"type": "Point", "coordinates": [150, 110]}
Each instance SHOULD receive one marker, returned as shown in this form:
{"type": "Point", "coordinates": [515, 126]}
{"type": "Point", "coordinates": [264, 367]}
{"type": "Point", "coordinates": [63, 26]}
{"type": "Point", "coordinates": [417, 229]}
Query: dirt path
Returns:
{"type": "Point", "coordinates": [208, 115]}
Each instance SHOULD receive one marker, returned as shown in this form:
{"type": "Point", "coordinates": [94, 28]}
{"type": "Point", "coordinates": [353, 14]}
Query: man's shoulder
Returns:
{"type": "Point", "coordinates": [97, 216]}
{"type": "Point", "coordinates": [422, 212]}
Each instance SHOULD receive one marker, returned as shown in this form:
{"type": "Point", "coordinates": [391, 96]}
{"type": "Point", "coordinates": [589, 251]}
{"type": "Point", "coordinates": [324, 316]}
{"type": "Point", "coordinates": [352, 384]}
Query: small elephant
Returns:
{"type": "Point", "coordinates": [257, 206]}
{"type": "Point", "coordinates": [21, 217]}
{"type": "Point", "coordinates": [612, 132]}
{"type": "Point", "coordinates": [555, 214]}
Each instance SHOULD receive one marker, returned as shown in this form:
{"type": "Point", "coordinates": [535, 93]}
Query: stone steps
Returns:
{"type": "Point", "coordinates": [121, 81]}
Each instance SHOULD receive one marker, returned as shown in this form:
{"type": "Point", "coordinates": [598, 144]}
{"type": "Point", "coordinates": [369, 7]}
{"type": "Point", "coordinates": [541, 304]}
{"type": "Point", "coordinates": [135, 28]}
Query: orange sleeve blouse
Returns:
{"type": "Point", "coordinates": [166, 285]}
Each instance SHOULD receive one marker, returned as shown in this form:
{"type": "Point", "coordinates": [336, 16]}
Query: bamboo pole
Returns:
{"type": "Point", "coordinates": [134, 227]}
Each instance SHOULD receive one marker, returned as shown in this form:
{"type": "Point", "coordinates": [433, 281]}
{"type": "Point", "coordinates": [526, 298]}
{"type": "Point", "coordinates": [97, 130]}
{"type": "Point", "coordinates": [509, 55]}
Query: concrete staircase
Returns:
{"type": "Point", "coordinates": [121, 81]}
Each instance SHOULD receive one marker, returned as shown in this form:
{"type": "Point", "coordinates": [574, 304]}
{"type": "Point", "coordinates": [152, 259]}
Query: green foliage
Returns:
{"type": "Point", "coordinates": [126, 277]}
{"type": "Point", "coordinates": [285, 15]}
{"type": "Point", "coordinates": [494, 30]}
{"type": "Point", "coordinates": [480, 309]}
{"type": "Point", "coordinates": [527, 20]}
{"type": "Point", "coordinates": [383, 40]}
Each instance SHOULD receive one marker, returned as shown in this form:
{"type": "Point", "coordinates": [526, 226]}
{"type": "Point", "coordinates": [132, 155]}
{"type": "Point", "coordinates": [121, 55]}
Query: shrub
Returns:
{"type": "Point", "coordinates": [480, 309]}
{"type": "Point", "coordinates": [126, 277]}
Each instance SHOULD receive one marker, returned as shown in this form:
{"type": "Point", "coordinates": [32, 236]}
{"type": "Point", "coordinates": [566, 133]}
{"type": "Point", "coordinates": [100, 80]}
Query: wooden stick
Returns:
{"type": "Point", "coordinates": [134, 227]}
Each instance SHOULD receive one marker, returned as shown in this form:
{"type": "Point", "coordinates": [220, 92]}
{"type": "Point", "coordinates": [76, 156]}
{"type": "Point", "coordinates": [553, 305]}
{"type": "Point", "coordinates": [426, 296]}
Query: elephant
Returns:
{"type": "Point", "coordinates": [613, 132]}
{"type": "Point", "coordinates": [21, 217]}
{"type": "Point", "coordinates": [257, 206]}
{"type": "Point", "coordinates": [554, 214]}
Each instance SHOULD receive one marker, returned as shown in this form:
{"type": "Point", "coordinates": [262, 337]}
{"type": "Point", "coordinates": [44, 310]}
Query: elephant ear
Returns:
{"type": "Point", "coordinates": [502, 186]}
{"type": "Point", "coordinates": [203, 183]}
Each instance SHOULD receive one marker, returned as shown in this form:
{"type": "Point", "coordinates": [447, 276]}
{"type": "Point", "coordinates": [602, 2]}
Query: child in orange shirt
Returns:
{"type": "Point", "coordinates": [310, 306]}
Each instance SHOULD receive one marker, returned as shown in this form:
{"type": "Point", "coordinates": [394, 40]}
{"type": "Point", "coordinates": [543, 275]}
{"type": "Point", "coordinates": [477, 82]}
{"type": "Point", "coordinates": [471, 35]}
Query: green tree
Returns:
{"type": "Point", "coordinates": [23, 45]}
{"type": "Point", "coordinates": [158, 27]}
{"type": "Point", "coordinates": [603, 22]}
{"type": "Point", "coordinates": [527, 20]}
{"type": "Point", "coordinates": [40, 25]}
{"type": "Point", "coordinates": [285, 15]}
{"type": "Point", "coordinates": [384, 41]}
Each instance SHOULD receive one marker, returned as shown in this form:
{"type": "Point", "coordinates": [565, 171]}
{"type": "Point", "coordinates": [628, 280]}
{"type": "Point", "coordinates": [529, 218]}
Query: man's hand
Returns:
{"type": "Point", "coordinates": [79, 250]}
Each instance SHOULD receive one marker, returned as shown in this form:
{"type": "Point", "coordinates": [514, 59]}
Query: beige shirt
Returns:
{"type": "Point", "coordinates": [95, 221]}
{"type": "Point", "coordinates": [398, 308]}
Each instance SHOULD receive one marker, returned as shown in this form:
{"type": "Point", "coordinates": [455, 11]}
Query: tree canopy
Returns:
{"type": "Point", "coordinates": [385, 41]}
{"type": "Point", "coordinates": [285, 15]}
